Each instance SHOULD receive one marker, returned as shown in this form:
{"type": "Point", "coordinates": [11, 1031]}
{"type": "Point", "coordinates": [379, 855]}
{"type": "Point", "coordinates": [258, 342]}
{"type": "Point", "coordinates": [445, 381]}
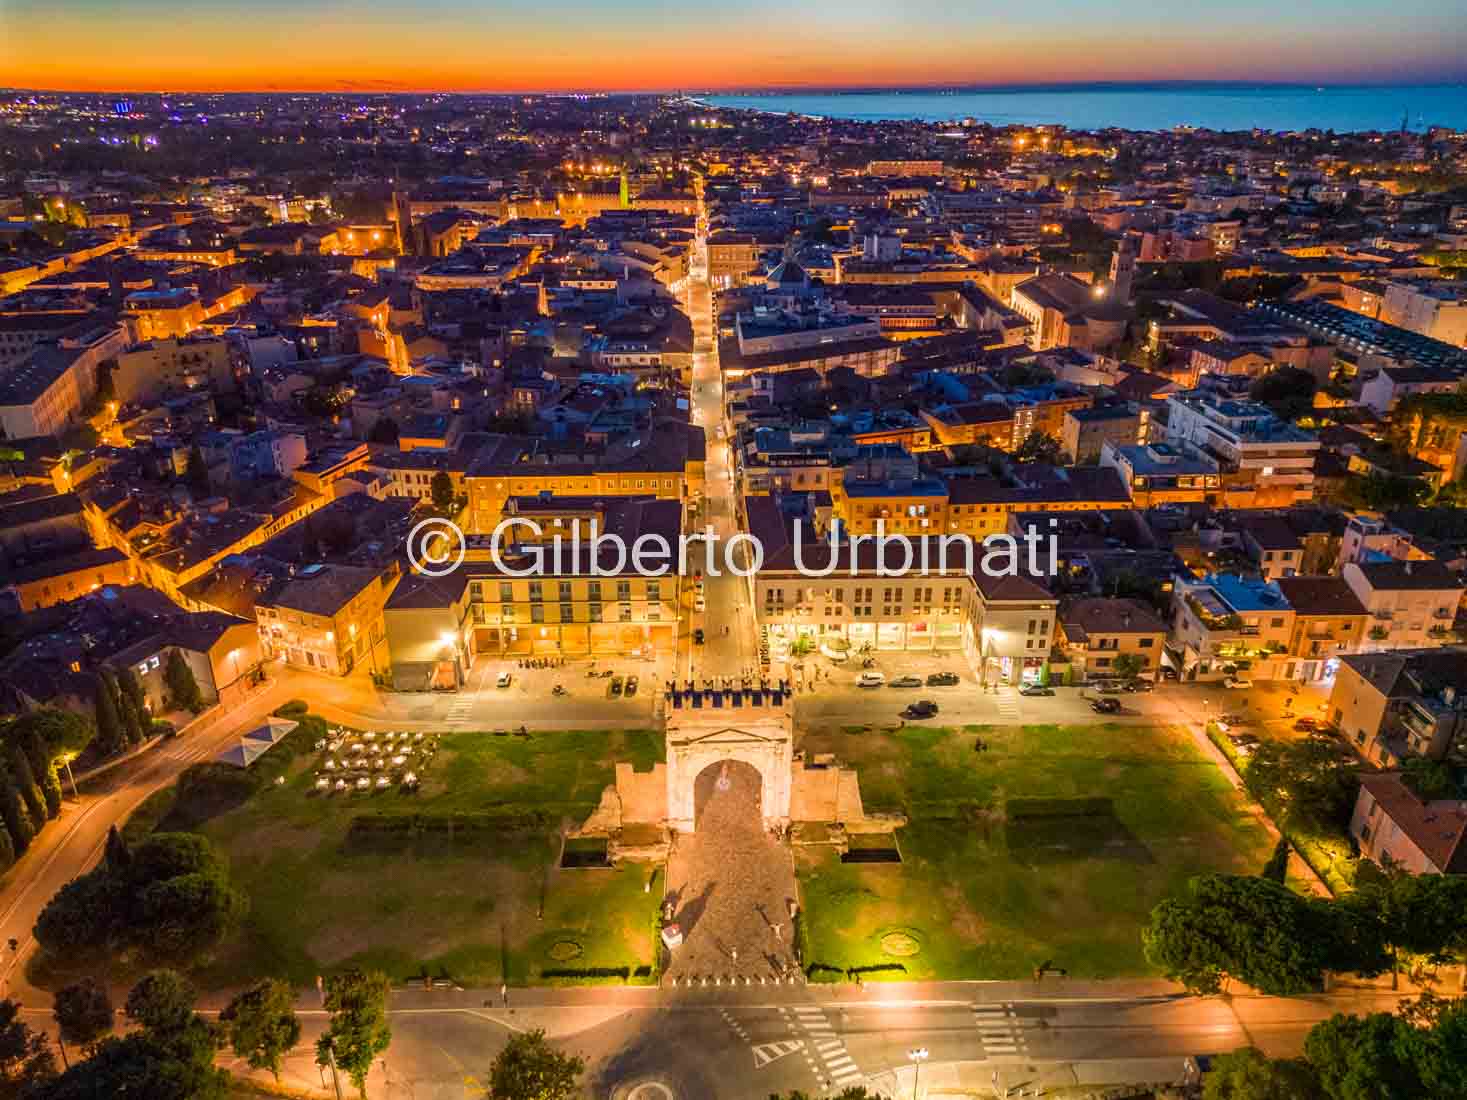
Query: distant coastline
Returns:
{"type": "Point", "coordinates": [1229, 106]}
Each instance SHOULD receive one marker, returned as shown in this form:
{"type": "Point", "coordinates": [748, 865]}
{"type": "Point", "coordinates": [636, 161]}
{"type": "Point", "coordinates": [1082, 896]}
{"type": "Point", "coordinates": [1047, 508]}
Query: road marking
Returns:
{"type": "Point", "coordinates": [999, 1029]}
{"type": "Point", "coordinates": [765, 1053]}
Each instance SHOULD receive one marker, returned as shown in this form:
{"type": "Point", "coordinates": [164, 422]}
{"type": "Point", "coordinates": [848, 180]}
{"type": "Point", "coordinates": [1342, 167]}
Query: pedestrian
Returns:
{"type": "Point", "coordinates": [778, 930]}
{"type": "Point", "coordinates": [504, 994]}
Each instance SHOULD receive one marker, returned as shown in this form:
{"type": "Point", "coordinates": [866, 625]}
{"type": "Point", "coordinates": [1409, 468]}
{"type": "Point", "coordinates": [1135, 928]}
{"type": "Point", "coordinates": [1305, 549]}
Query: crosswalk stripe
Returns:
{"type": "Point", "coordinates": [845, 1078]}
{"type": "Point", "coordinates": [841, 1062]}
{"type": "Point", "coordinates": [828, 1044]}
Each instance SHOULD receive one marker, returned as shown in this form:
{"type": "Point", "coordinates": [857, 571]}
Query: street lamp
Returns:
{"type": "Point", "coordinates": [917, 1055]}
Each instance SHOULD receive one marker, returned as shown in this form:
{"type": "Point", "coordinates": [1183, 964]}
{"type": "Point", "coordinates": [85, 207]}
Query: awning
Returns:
{"type": "Point", "coordinates": [256, 743]}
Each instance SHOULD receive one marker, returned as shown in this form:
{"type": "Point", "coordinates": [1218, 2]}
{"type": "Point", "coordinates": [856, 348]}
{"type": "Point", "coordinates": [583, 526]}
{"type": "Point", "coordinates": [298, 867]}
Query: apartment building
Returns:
{"type": "Point", "coordinates": [1411, 604]}
{"type": "Point", "coordinates": [1163, 473]}
{"type": "Point", "coordinates": [327, 618]}
{"type": "Point", "coordinates": [1093, 632]}
{"type": "Point", "coordinates": [1265, 462]}
{"type": "Point", "coordinates": [1329, 622]}
{"type": "Point", "coordinates": [1227, 625]}
{"type": "Point", "coordinates": [1395, 705]}
{"type": "Point", "coordinates": [1397, 826]}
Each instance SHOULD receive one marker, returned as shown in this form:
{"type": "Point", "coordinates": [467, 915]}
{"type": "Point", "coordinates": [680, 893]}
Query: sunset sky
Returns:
{"type": "Point", "coordinates": [519, 45]}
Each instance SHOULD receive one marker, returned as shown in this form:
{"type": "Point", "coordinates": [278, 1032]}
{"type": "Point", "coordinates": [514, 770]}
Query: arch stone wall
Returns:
{"type": "Point", "coordinates": [760, 737]}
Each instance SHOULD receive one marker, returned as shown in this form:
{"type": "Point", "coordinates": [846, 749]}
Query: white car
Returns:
{"type": "Point", "coordinates": [870, 680]}
{"type": "Point", "coordinates": [1237, 682]}
{"type": "Point", "coordinates": [700, 604]}
{"type": "Point", "coordinates": [503, 680]}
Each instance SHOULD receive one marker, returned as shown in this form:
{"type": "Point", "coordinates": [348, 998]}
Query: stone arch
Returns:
{"type": "Point", "coordinates": [695, 746]}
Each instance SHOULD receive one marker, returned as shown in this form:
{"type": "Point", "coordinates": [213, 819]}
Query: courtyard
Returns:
{"type": "Point", "coordinates": [1049, 846]}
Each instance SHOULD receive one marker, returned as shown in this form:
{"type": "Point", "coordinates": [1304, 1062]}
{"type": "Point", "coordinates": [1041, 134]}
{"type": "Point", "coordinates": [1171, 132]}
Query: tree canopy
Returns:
{"type": "Point", "coordinates": [529, 1068]}
{"type": "Point", "coordinates": [358, 1030]}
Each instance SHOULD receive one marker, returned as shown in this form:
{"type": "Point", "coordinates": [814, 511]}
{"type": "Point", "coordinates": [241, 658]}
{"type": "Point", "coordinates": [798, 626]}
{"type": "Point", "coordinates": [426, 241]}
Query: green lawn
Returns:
{"type": "Point", "coordinates": [1054, 844]}
{"type": "Point", "coordinates": [493, 908]}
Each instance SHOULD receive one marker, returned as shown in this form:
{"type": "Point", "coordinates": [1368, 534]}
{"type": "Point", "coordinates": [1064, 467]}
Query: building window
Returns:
{"type": "Point", "coordinates": [567, 613]}
{"type": "Point", "coordinates": [537, 613]}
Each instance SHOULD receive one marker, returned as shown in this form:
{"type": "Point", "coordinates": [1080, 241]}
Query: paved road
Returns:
{"type": "Point", "coordinates": [739, 1044]}
{"type": "Point", "coordinates": [729, 605]}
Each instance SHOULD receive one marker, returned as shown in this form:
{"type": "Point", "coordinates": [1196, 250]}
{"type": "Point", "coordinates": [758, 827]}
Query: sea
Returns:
{"type": "Point", "coordinates": [1273, 107]}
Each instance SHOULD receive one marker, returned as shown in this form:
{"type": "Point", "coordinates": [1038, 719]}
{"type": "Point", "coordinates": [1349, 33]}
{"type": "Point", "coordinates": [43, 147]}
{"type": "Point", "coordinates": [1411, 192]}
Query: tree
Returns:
{"type": "Point", "coordinates": [1277, 867]}
{"type": "Point", "coordinates": [1363, 1058]}
{"type": "Point", "coordinates": [262, 1024]}
{"type": "Point", "coordinates": [143, 1064]}
{"type": "Point", "coordinates": [358, 1030]}
{"type": "Point", "coordinates": [1287, 391]}
{"type": "Point", "coordinates": [17, 818]}
{"type": "Point", "coordinates": [162, 1002]}
{"type": "Point", "coordinates": [19, 768]}
{"type": "Point", "coordinates": [1040, 447]}
{"type": "Point", "coordinates": [83, 1012]}
{"type": "Point", "coordinates": [1248, 928]}
{"type": "Point", "coordinates": [1249, 1074]}
{"type": "Point", "coordinates": [1127, 666]}
{"type": "Point", "coordinates": [529, 1068]}
{"type": "Point", "coordinates": [111, 734]}
{"type": "Point", "coordinates": [183, 689]}
{"type": "Point", "coordinates": [442, 487]}
{"type": "Point", "coordinates": [172, 903]}
{"type": "Point", "coordinates": [62, 731]}
{"type": "Point", "coordinates": [43, 768]}
{"type": "Point", "coordinates": [25, 1055]}
{"type": "Point", "coordinates": [116, 856]}
{"type": "Point", "coordinates": [133, 706]}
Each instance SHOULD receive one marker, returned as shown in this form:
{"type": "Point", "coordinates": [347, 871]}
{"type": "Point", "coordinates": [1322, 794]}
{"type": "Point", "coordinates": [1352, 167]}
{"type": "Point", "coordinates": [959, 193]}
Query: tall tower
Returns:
{"type": "Point", "coordinates": [626, 190]}
{"type": "Point", "coordinates": [1123, 270]}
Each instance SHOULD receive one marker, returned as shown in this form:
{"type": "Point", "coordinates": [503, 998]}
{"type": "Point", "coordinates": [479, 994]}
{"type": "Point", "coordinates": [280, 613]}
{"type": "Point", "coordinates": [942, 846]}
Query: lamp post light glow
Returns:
{"type": "Point", "coordinates": [917, 1055]}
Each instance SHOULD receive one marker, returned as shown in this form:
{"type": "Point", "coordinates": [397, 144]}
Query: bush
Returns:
{"type": "Point", "coordinates": [387, 832]}
{"type": "Point", "coordinates": [296, 708]}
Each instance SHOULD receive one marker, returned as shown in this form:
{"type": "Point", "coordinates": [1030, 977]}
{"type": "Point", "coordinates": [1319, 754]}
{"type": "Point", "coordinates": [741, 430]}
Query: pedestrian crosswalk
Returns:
{"type": "Point", "coordinates": [826, 1052]}
{"type": "Point", "coordinates": [458, 710]}
{"type": "Point", "coordinates": [765, 1053]}
{"type": "Point", "coordinates": [1008, 704]}
{"type": "Point", "coordinates": [999, 1029]}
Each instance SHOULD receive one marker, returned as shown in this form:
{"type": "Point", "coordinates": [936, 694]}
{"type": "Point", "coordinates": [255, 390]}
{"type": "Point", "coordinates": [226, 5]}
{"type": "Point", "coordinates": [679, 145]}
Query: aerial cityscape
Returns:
{"type": "Point", "coordinates": [753, 554]}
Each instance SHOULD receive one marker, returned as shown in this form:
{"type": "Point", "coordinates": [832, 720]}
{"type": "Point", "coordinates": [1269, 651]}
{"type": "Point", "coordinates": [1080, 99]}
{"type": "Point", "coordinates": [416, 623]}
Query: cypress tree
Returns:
{"type": "Point", "coordinates": [44, 769]}
{"type": "Point", "coordinates": [116, 855]}
{"type": "Point", "coordinates": [181, 683]}
{"type": "Point", "coordinates": [17, 818]}
{"type": "Point", "coordinates": [134, 706]}
{"type": "Point", "coordinates": [110, 733]}
{"type": "Point", "coordinates": [7, 850]}
{"type": "Point", "coordinates": [26, 785]}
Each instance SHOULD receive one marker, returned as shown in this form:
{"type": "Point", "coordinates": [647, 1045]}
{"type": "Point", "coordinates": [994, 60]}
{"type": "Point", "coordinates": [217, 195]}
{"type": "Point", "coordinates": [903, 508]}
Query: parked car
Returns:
{"type": "Point", "coordinates": [631, 687]}
{"type": "Point", "coordinates": [1105, 706]}
{"type": "Point", "coordinates": [943, 679]}
{"type": "Point", "coordinates": [616, 687]}
{"type": "Point", "coordinates": [1237, 682]}
{"type": "Point", "coordinates": [907, 682]}
{"type": "Point", "coordinates": [871, 679]}
{"type": "Point", "coordinates": [1138, 685]}
{"type": "Point", "coordinates": [700, 604]}
{"type": "Point", "coordinates": [1306, 725]}
{"type": "Point", "coordinates": [1108, 687]}
{"type": "Point", "coordinates": [1032, 690]}
{"type": "Point", "coordinates": [503, 680]}
{"type": "Point", "coordinates": [698, 636]}
{"type": "Point", "coordinates": [1168, 673]}
{"type": "Point", "coordinates": [924, 708]}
